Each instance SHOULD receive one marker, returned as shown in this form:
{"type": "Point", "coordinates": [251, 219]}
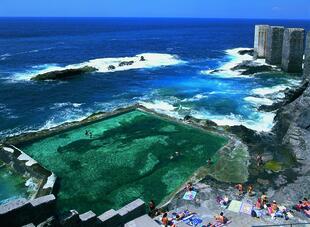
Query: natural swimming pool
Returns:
{"type": "Point", "coordinates": [129, 156]}
{"type": "Point", "coordinates": [12, 185]}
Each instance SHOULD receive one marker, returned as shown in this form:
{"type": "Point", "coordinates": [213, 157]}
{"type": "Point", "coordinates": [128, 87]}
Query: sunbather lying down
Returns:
{"type": "Point", "coordinates": [221, 218]}
{"type": "Point", "coordinates": [179, 216]}
{"type": "Point", "coordinates": [166, 221]}
{"type": "Point", "coordinates": [223, 201]}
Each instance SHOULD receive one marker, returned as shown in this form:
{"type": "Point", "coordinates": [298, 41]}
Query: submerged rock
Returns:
{"type": "Point", "coordinates": [63, 74]}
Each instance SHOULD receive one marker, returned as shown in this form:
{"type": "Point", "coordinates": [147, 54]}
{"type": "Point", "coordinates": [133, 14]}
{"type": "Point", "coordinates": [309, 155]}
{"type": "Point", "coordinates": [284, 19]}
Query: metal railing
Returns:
{"type": "Point", "coordinates": [288, 224]}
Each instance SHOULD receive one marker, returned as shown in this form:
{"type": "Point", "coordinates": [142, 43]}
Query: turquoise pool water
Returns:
{"type": "Point", "coordinates": [12, 185]}
{"type": "Point", "coordinates": [129, 156]}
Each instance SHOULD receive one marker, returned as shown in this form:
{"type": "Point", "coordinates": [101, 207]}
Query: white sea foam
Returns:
{"type": "Point", "coordinates": [195, 98]}
{"type": "Point", "coordinates": [26, 52]}
{"type": "Point", "coordinates": [235, 58]}
{"type": "Point", "coordinates": [263, 121]}
{"type": "Point", "coordinates": [258, 101]}
{"type": "Point", "coordinates": [264, 91]}
{"type": "Point", "coordinates": [7, 112]}
{"type": "Point", "coordinates": [65, 104]}
{"type": "Point", "coordinates": [5, 55]}
{"type": "Point", "coordinates": [158, 105]}
{"type": "Point", "coordinates": [152, 60]}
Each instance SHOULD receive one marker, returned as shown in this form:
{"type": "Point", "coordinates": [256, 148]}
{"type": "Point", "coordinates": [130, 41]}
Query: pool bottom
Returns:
{"type": "Point", "coordinates": [109, 163]}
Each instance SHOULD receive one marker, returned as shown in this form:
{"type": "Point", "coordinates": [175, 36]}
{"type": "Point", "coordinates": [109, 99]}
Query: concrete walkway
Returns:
{"type": "Point", "coordinates": [206, 207]}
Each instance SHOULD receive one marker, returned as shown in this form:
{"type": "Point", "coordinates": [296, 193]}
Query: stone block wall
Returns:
{"type": "Point", "coordinates": [43, 212]}
{"type": "Point", "coordinates": [274, 45]}
{"type": "Point", "coordinates": [307, 58]}
{"type": "Point", "coordinates": [260, 41]}
{"type": "Point", "coordinates": [21, 212]}
{"type": "Point", "coordinates": [293, 50]}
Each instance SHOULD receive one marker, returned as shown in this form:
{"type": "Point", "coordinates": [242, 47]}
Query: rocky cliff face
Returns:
{"type": "Point", "coordinates": [293, 118]}
{"type": "Point", "coordinates": [293, 126]}
{"type": "Point", "coordinates": [293, 130]}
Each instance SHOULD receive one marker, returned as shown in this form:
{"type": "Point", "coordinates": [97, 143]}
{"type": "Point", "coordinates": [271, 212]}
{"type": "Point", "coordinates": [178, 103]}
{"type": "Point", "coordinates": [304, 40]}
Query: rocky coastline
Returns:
{"type": "Point", "coordinates": [285, 174]}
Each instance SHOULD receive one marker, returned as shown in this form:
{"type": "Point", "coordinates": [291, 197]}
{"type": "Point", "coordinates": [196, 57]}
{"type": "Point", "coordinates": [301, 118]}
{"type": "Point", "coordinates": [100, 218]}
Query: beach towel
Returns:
{"type": "Point", "coordinates": [235, 206]}
{"type": "Point", "coordinates": [218, 224]}
{"type": "Point", "coordinates": [290, 215]}
{"type": "Point", "coordinates": [190, 195]}
{"type": "Point", "coordinates": [192, 220]}
{"type": "Point", "coordinates": [246, 208]}
{"type": "Point", "coordinates": [259, 213]}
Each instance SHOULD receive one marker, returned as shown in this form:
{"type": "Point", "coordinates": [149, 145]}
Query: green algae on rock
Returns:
{"type": "Point", "coordinates": [232, 163]}
{"type": "Point", "coordinates": [273, 166]}
{"type": "Point", "coordinates": [128, 156]}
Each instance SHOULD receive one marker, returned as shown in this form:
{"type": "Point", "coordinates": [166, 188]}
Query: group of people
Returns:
{"type": "Point", "coordinates": [250, 189]}
{"type": "Point", "coordinates": [89, 133]}
{"type": "Point", "coordinates": [274, 210]}
{"type": "Point", "coordinates": [261, 207]}
{"type": "Point", "coordinates": [303, 206]}
{"type": "Point", "coordinates": [172, 222]}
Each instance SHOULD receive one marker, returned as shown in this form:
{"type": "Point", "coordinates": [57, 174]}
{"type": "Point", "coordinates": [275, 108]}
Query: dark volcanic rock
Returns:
{"type": "Point", "coordinates": [249, 52]}
{"type": "Point", "coordinates": [250, 68]}
{"type": "Point", "coordinates": [293, 130]}
{"type": "Point", "coordinates": [290, 96]}
{"type": "Point", "coordinates": [125, 63]}
{"type": "Point", "coordinates": [111, 67]}
{"type": "Point", "coordinates": [63, 74]}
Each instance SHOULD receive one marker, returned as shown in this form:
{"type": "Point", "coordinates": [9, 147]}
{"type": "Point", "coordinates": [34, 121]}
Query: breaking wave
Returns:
{"type": "Point", "coordinates": [234, 59]}
{"type": "Point", "coordinates": [152, 60]}
{"type": "Point", "coordinates": [195, 98]}
{"type": "Point", "coordinates": [258, 121]}
{"type": "Point", "coordinates": [263, 121]}
{"type": "Point", "coordinates": [257, 101]}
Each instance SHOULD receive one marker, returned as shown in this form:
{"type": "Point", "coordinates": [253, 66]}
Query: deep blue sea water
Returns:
{"type": "Point", "coordinates": [30, 45]}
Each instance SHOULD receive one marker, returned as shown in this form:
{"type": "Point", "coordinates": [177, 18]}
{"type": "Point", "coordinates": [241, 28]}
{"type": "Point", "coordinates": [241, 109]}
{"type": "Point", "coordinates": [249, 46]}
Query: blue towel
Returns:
{"type": "Point", "coordinates": [194, 220]}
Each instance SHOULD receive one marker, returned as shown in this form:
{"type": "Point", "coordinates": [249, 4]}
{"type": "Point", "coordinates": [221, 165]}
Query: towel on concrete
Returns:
{"type": "Point", "coordinates": [234, 206]}
{"type": "Point", "coordinates": [246, 208]}
{"type": "Point", "coordinates": [190, 195]}
{"type": "Point", "coordinates": [192, 220]}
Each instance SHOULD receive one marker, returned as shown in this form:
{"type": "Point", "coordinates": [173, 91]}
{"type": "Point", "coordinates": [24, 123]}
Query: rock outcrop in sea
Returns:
{"type": "Point", "coordinates": [63, 74]}
{"type": "Point", "coordinates": [250, 68]}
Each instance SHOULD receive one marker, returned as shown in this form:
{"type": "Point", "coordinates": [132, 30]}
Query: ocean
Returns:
{"type": "Point", "coordinates": [175, 79]}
